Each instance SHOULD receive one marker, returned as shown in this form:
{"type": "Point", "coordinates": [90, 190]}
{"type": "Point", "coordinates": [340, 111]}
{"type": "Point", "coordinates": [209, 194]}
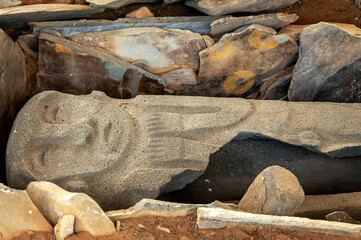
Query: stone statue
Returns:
{"type": "Point", "coordinates": [120, 151]}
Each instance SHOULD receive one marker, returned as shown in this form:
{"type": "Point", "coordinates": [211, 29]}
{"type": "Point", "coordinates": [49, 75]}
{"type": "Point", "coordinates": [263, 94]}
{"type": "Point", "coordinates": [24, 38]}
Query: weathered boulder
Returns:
{"type": "Point", "coordinates": [340, 216]}
{"type": "Point", "coordinates": [19, 16]}
{"type": "Point", "coordinates": [115, 4]}
{"type": "Point", "coordinates": [18, 214]}
{"type": "Point", "coordinates": [239, 63]}
{"type": "Point", "coordinates": [162, 143]}
{"type": "Point", "coordinates": [12, 90]}
{"type": "Point", "coordinates": [65, 227]}
{"type": "Point", "coordinates": [273, 20]}
{"type": "Point", "coordinates": [9, 3]}
{"type": "Point", "coordinates": [221, 7]}
{"type": "Point", "coordinates": [94, 70]}
{"type": "Point", "coordinates": [159, 50]}
{"type": "Point", "coordinates": [329, 66]}
{"type": "Point", "coordinates": [275, 191]}
{"type": "Point", "coordinates": [54, 203]}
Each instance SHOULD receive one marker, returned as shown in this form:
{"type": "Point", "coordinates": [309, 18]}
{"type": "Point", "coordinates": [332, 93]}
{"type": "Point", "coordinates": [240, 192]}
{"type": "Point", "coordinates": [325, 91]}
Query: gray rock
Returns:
{"type": "Point", "coordinates": [161, 50]}
{"type": "Point", "coordinates": [12, 89]}
{"type": "Point", "coordinates": [9, 3]}
{"type": "Point", "coordinates": [276, 87]}
{"type": "Point", "coordinates": [215, 218]}
{"type": "Point", "coordinates": [161, 143]}
{"type": "Point", "coordinates": [331, 73]}
{"type": "Point", "coordinates": [273, 20]}
{"type": "Point", "coordinates": [115, 4]}
{"type": "Point", "coordinates": [20, 16]}
{"type": "Point", "coordinates": [95, 70]}
{"type": "Point", "coordinates": [18, 214]}
{"type": "Point", "coordinates": [221, 7]}
{"type": "Point", "coordinates": [241, 61]}
{"type": "Point", "coordinates": [275, 191]}
{"type": "Point", "coordinates": [340, 216]}
{"type": "Point", "coordinates": [54, 203]}
{"type": "Point", "coordinates": [198, 24]}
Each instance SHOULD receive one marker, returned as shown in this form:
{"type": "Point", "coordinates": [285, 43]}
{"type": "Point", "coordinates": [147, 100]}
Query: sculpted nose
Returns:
{"type": "Point", "coordinates": [79, 133]}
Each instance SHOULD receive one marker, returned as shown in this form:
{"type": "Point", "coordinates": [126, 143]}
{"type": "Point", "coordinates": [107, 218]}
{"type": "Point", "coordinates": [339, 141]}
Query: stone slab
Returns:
{"type": "Point", "coordinates": [162, 143]}
{"type": "Point", "coordinates": [199, 24]}
{"type": "Point", "coordinates": [70, 67]}
{"type": "Point", "coordinates": [12, 90]}
{"type": "Point", "coordinates": [115, 4]}
{"type": "Point", "coordinates": [221, 7]}
{"type": "Point", "coordinates": [20, 16]}
{"type": "Point", "coordinates": [329, 66]}
{"type": "Point", "coordinates": [273, 20]}
{"type": "Point", "coordinates": [208, 218]}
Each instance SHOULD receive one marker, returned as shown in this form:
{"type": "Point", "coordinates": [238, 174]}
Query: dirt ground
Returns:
{"type": "Point", "coordinates": [184, 228]}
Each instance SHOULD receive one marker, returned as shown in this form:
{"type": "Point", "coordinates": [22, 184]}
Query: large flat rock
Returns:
{"type": "Point", "coordinates": [159, 50]}
{"type": "Point", "coordinates": [20, 16]}
{"type": "Point", "coordinates": [115, 4]}
{"type": "Point", "coordinates": [162, 143]}
{"type": "Point", "coordinates": [329, 66]}
{"type": "Point", "coordinates": [241, 61]}
{"type": "Point", "coordinates": [12, 89]}
{"type": "Point", "coordinates": [71, 67]}
{"type": "Point", "coordinates": [221, 7]}
{"type": "Point", "coordinates": [18, 214]}
{"type": "Point", "coordinates": [273, 20]}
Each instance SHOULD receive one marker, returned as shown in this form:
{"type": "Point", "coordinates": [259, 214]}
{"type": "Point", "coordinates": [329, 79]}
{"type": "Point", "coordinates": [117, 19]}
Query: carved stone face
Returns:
{"type": "Point", "coordinates": [70, 136]}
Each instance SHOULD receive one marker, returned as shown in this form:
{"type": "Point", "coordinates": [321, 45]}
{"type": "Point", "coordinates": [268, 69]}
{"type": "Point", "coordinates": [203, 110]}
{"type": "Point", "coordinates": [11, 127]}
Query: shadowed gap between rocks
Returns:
{"type": "Point", "coordinates": [234, 167]}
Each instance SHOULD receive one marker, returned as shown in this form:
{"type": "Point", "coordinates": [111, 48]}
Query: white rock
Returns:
{"type": "Point", "coordinates": [54, 202]}
{"type": "Point", "coordinates": [65, 227]}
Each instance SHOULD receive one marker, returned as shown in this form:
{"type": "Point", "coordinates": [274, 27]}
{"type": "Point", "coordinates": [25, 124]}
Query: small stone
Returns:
{"type": "Point", "coordinates": [54, 202]}
{"type": "Point", "coordinates": [142, 12]}
{"type": "Point", "coordinates": [208, 40]}
{"type": "Point", "coordinates": [340, 216]}
{"type": "Point", "coordinates": [65, 227]}
{"type": "Point", "coordinates": [18, 214]}
{"type": "Point", "coordinates": [275, 191]}
{"type": "Point", "coordinates": [141, 226]}
{"type": "Point", "coordinates": [164, 229]}
{"type": "Point", "coordinates": [115, 4]}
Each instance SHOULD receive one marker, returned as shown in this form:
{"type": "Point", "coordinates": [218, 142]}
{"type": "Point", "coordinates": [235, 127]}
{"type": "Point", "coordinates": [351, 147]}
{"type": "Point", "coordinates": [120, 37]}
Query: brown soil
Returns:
{"type": "Point", "coordinates": [184, 228]}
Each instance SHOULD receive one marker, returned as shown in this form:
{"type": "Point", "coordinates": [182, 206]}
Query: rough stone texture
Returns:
{"type": "Point", "coordinates": [340, 216]}
{"type": "Point", "coordinates": [54, 203]}
{"type": "Point", "coordinates": [65, 227]}
{"type": "Point", "coordinates": [9, 3]}
{"type": "Point", "coordinates": [30, 44]}
{"type": "Point", "coordinates": [318, 206]}
{"type": "Point", "coordinates": [276, 87]}
{"type": "Point", "coordinates": [275, 191]}
{"type": "Point", "coordinates": [115, 4]}
{"type": "Point", "coordinates": [18, 214]}
{"type": "Point", "coordinates": [329, 66]}
{"type": "Point", "coordinates": [196, 24]}
{"type": "Point", "coordinates": [176, 79]}
{"type": "Point", "coordinates": [159, 50]}
{"type": "Point", "coordinates": [19, 16]}
{"type": "Point", "coordinates": [239, 63]}
{"type": "Point", "coordinates": [162, 143]}
{"type": "Point", "coordinates": [296, 30]}
{"type": "Point", "coordinates": [274, 20]}
{"type": "Point", "coordinates": [70, 67]}
{"type": "Point", "coordinates": [221, 7]}
{"type": "Point", "coordinates": [142, 12]}
{"type": "Point", "coordinates": [12, 90]}
{"type": "Point", "coordinates": [215, 218]}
